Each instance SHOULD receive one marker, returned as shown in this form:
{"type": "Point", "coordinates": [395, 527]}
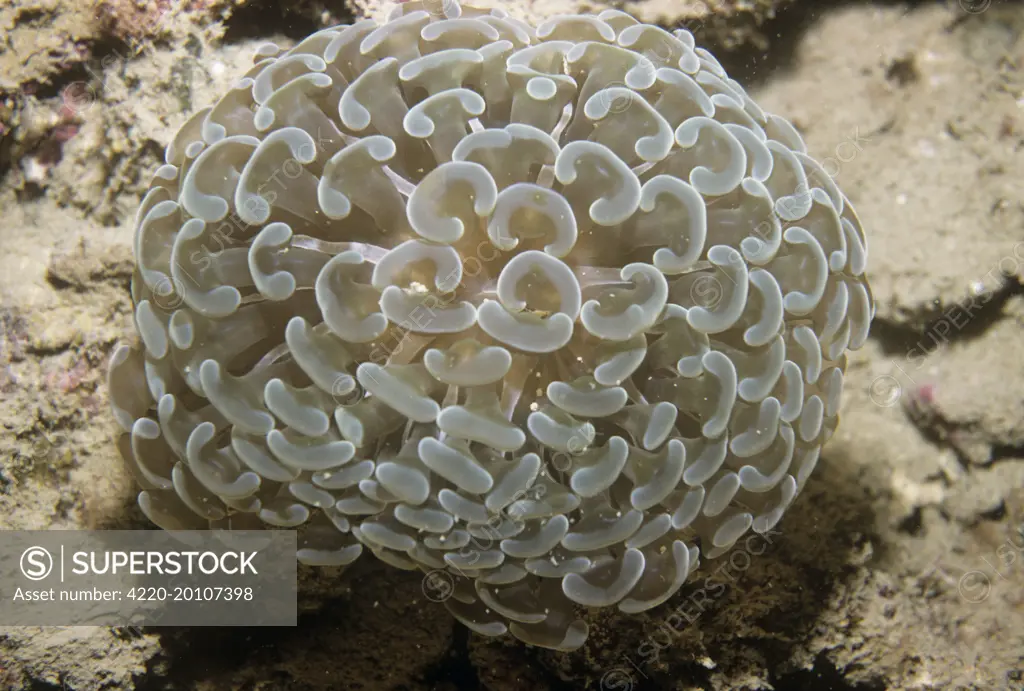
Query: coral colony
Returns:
{"type": "Point", "coordinates": [550, 311]}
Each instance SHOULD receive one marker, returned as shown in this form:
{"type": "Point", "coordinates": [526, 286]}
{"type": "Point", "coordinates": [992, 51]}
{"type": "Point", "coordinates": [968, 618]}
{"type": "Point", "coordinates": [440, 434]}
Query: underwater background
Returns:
{"type": "Point", "coordinates": [898, 567]}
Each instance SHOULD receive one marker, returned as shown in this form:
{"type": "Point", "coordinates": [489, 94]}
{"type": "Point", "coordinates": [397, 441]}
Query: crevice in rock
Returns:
{"type": "Point", "coordinates": [1004, 452]}
{"type": "Point", "coordinates": [998, 513]}
{"type": "Point", "coordinates": [937, 430]}
{"type": "Point", "coordinates": [455, 666]}
{"type": "Point", "coordinates": [753, 65]}
{"type": "Point", "coordinates": [913, 523]}
{"type": "Point", "coordinates": [694, 674]}
{"type": "Point", "coordinates": [823, 675]}
{"type": "Point", "coordinates": [963, 438]}
{"type": "Point", "coordinates": [927, 330]}
{"type": "Point", "coordinates": [263, 20]}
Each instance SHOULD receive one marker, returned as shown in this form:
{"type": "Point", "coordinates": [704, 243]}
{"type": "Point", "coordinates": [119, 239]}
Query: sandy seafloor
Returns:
{"type": "Point", "coordinates": [899, 567]}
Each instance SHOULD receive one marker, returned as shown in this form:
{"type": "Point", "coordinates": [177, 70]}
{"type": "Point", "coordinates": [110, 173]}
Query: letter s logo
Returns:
{"type": "Point", "coordinates": [36, 563]}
